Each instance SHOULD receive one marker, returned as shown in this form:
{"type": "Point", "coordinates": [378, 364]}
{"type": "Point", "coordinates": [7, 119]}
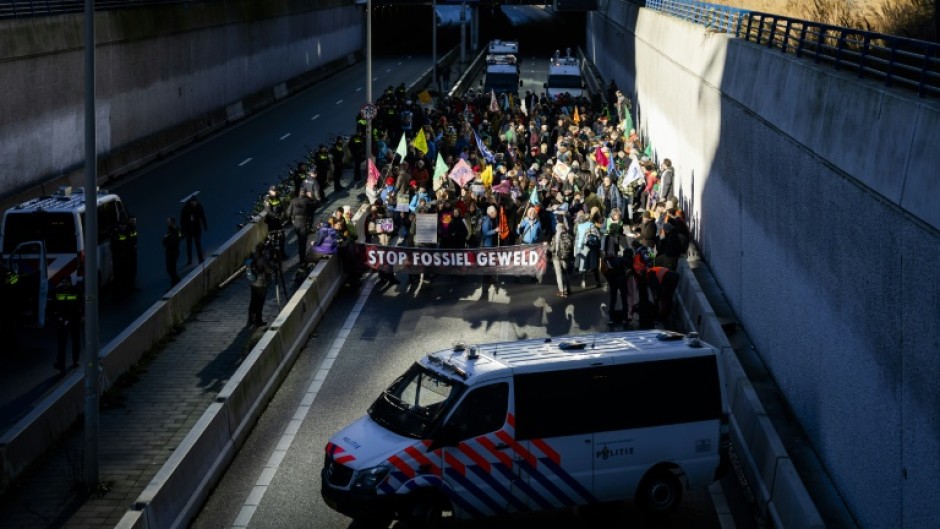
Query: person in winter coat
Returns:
{"type": "Point", "coordinates": [610, 195]}
{"type": "Point", "coordinates": [489, 229]}
{"type": "Point", "coordinates": [421, 194]}
{"type": "Point", "coordinates": [193, 223]}
{"type": "Point", "coordinates": [562, 254]}
{"type": "Point", "coordinates": [259, 275]}
{"type": "Point", "coordinates": [530, 229]}
{"type": "Point", "coordinates": [326, 242]}
{"type": "Point", "coordinates": [587, 252]}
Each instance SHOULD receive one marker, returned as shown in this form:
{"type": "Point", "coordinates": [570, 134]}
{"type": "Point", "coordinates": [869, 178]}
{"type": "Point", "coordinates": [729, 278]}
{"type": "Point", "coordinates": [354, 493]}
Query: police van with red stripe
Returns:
{"type": "Point", "coordinates": [535, 425]}
{"type": "Point", "coordinates": [43, 241]}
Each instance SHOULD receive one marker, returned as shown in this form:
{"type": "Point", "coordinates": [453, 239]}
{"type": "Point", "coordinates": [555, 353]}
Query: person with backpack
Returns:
{"type": "Point", "coordinates": [562, 249]}
{"type": "Point", "coordinates": [587, 248]}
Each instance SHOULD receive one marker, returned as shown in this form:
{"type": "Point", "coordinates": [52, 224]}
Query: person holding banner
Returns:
{"type": "Point", "coordinates": [380, 229]}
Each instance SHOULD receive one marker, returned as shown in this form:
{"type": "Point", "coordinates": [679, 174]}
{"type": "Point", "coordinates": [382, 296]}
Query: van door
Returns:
{"type": "Point", "coordinates": [31, 286]}
{"type": "Point", "coordinates": [555, 428]}
{"type": "Point", "coordinates": [477, 466]}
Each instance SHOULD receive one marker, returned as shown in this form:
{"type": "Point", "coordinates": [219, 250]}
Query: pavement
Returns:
{"type": "Point", "coordinates": [146, 415]}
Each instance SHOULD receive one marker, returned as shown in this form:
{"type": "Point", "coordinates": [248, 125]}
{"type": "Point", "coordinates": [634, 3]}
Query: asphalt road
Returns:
{"type": "Point", "coordinates": [230, 171]}
{"type": "Point", "coordinates": [275, 482]}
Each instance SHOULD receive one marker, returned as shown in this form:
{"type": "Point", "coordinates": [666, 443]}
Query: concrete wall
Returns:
{"type": "Point", "coordinates": [211, 63]}
{"type": "Point", "coordinates": [813, 196]}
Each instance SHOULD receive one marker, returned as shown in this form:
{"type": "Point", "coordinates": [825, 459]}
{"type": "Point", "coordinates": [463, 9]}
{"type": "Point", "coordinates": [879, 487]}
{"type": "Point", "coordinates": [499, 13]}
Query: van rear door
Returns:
{"type": "Point", "coordinates": [31, 290]}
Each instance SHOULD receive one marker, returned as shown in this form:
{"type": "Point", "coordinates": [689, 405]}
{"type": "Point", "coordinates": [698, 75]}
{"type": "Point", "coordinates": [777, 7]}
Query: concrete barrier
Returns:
{"type": "Point", "coordinates": [176, 493]}
{"type": "Point", "coordinates": [780, 492]}
{"type": "Point", "coordinates": [30, 437]}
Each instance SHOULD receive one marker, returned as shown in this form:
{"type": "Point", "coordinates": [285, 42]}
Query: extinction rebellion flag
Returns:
{"type": "Point", "coordinates": [520, 260]}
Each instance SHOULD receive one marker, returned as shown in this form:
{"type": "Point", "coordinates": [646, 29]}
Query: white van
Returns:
{"type": "Point", "coordinates": [51, 229]}
{"type": "Point", "coordinates": [534, 425]}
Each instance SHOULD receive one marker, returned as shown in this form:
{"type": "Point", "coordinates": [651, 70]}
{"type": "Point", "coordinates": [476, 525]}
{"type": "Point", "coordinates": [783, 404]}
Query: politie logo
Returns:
{"type": "Point", "coordinates": [607, 453]}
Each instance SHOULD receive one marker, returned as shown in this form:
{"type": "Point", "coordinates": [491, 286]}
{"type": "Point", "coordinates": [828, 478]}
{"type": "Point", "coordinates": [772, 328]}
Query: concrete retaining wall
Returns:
{"type": "Point", "coordinates": [212, 62]}
{"type": "Point", "coordinates": [813, 196]}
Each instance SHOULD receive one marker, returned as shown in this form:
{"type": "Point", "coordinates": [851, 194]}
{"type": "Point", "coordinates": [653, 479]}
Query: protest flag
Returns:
{"type": "Point", "coordinates": [402, 148]}
{"type": "Point", "coordinates": [440, 171]}
{"type": "Point", "coordinates": [494, 106]}
{"type": "Point", "coordinates": [487, 155]}
{"type": "Point", "coordinates": [487, 176]}
{"type": "Point", "coordinates": [576, 118]}
{"type": "Point", "coordinates": [421, 143]}
{"type": "Point", "coordinates": [503, 224]}
{"type": "Point", "coordinates": [374, 174]}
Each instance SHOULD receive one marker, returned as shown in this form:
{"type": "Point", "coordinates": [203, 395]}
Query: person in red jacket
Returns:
{"type": "Point", "coordinates": [662, 283]}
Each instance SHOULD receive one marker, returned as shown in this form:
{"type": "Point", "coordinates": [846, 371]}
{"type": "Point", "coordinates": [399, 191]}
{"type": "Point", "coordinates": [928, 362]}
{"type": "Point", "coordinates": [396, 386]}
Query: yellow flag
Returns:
{"type": "Point", "coordinates": [421, 143]}
{"type": "Point", "coordinates": [576, 118]}
{"type": "Point", "coordinates": [425, 97]}
{"type": "Point", "coordinates": [487, 176]}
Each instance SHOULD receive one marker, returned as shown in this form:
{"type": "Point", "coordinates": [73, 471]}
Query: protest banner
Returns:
{"type": "Point", "coordinates": [519, 260]}
{"type": "Point", "coordinates": [426, 228]}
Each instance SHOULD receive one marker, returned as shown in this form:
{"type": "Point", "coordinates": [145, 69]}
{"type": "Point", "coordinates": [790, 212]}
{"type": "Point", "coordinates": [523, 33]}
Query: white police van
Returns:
{"type": "Point", "coordinates": [51, 230]}
{"type": "Point", "coordinates": [564, 76]}
{"type": "Point", "coordinates": [535, 425]}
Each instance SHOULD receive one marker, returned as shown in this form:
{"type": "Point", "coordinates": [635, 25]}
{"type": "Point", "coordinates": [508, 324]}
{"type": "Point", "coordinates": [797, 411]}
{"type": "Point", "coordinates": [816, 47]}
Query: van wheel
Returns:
{"type": "Point", "coordinates": [427, 512]}
{"type": "Point", "coordinates": [659, 493]}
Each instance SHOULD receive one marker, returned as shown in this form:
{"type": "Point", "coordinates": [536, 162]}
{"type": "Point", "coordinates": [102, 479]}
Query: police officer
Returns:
{"type": "Point", "coordinates": [338, 153]}
{"type": "Point", "coordinates": [171, 249]}
{"type": "Point", "coordinates": [275, 215]}
{"type": "Point", "coordinates": [357, 148]}
{"type": "Point", "coordinates": [258, 279]}
{"type": "Point", "coordinates": [299, 212]}
{"type": "Point", "coordinates": [124, 253]}
{"type": "Point", "coordinates": [324, 163]}
{"type": "Point", "coordinates": [67, 308]}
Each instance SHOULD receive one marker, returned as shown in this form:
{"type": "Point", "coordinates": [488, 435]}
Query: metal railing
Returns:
{"type": "Point", "coordinates": [42, 8]}
{"type": "Point", "coordinates": [895, 61]}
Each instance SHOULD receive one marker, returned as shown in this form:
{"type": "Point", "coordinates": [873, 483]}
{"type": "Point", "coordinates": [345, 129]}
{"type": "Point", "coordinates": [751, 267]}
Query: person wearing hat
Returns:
{"type": "Point", "coordinates": [388, 190]}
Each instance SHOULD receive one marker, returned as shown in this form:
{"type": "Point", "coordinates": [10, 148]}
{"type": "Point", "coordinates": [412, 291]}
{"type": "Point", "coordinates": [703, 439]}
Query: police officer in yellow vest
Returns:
{"type": "Point", "coordinates": [324, 164]}
{"type": "Point", "coordinates": [68, 308]}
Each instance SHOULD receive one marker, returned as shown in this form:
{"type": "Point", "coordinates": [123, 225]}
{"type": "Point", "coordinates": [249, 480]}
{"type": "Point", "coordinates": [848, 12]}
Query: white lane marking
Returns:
{"type": "Point", "coordinates": [246, 160]}
{"type": "Point", "coordinates": [376, 78]}
{"type": "Point", "coordinates": [339, 102]}
{"type": "Point", "coordinates": [315, 117]}
{"type": "Point", "coordinates": [284, 137]}
{"type": "Point", "coordinates": [359, 89]}
{"type": "Point", "coordinates": [399, 63]}
{"type": "Point", "coordinates": [287, 438]}
{"type": "Point", "coordinates": [387, 70]}
{"type": "Point", "coordinates": [722, 509]}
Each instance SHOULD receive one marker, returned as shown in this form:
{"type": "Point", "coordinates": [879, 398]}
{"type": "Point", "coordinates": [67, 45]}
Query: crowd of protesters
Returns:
{"type": "Point", "coordinates": [569, 173]}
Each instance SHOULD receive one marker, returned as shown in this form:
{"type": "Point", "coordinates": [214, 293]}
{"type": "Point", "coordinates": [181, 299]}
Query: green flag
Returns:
{"type": "Point", "coordinates": [402, 149]}
{"type": "Point", "coordinates": [649, 150]}
{"type": "Point", "coordinates": [440, 171]}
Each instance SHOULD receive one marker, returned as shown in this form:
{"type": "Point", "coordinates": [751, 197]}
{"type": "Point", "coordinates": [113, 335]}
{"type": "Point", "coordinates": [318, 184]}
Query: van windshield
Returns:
{"type": "Point", "coordinates": [57, 230]}
{"type": "Point", "coordinates": [415, 403]}
{"type": "Point", "coordinates": [564, 81]}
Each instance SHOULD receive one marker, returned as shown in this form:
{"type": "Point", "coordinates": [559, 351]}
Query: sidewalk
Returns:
{"type": "Point", "coordinates": [145, 417]}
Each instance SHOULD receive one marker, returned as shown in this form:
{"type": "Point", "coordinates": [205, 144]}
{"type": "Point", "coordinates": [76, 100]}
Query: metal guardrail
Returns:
{"type": "Point", "coordinates": [42, 8]}
{"type": "Point", "coordinates": [896, 61]}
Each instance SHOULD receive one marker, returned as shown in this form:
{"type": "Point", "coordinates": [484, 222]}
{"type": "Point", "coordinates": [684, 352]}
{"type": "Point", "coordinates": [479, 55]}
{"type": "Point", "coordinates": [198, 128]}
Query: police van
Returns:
{"type": "Point", "coordinates": [501, 74]}
{"type": "Point", "coordinates": [535, 425]}
{"type": "Point", "coordinates": [51, 230]}
{"type": "Point", "coordinates": [564, 76]}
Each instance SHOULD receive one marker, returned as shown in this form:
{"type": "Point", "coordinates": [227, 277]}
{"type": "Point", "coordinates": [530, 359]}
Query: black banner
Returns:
{"type": "Point", "coordinates": [521, 260]}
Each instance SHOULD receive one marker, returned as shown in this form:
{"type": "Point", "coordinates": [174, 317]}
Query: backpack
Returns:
{"type": "Point", "coordinates": [592, 239]}
{"type": "Point", "coordinates": [566, 245]}
{"type": "Point", "coordinates": [250, 271]}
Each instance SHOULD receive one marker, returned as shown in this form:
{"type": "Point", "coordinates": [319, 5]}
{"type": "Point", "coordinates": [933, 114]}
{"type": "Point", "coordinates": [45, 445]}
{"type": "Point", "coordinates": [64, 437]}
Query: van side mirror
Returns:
{"type": "Point", "coordinates": [446, 436]}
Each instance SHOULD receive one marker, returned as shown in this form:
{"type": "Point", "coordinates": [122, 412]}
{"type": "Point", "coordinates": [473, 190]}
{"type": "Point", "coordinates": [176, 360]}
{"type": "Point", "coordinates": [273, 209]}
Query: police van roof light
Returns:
{"type": "Point", "coordinates": [694, 340]}
{"type": "Point", "coordinates": [472, 353]}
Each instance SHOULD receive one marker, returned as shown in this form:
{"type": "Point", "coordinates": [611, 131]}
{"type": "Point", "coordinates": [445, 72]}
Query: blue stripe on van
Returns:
{"type": "Point", "coordinates": [498, 488]}
{"type": "Point", "coordinates": [570, 481]}
{"type": "Point", "coordinates": [525, 488]}
{"type": "Point", "coordinates": [475, 491]}
{"type": "Point", "coordinates": [538, 476]}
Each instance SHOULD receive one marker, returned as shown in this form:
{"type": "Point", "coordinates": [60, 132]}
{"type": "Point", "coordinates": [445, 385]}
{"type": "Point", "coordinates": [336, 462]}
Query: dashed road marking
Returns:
{"type": "Point", "coordinates": [284, 137]}
{"type": "Point", "coordinates": [246, 160]}
{"type": "Point", "coordinates": [339, 102]}
{"type": "Point", "coordinates": [315, 117]}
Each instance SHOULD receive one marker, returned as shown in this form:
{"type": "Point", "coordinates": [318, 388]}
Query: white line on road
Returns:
{"type": "Point", "coordinates": [274, 462]}
{"type": "Point", "coordinates": [339, 102]}
{"type": "Point", "coordinates": [315, 117]}
{"type": "Point", "coordinates": [387, 70]}
{"type": "Point", "coordinates": [399, 63]}
{"type": "Point", "coordinates": [246, 160]}
{"type": "Point", "coordinates": [358, 89]}
{"type": "Point", "coordinates": [284, 137]}
{"type": "Point", "coordinates": [376, 78]}
{"type": "Point", "coordinates": [725, 517]}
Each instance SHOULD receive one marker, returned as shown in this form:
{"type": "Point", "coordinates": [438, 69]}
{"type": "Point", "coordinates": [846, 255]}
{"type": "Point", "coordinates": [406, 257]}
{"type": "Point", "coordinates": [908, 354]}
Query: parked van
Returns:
{"type": "Point", "coordinates": [535, 425]}
{"type": "Point", "coordinates": [51, 230]}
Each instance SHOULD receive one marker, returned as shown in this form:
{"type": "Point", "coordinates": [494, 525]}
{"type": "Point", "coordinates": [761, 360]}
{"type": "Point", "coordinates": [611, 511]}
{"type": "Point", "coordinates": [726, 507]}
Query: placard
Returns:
{"type": "Point", "coordinates": [426, 228]}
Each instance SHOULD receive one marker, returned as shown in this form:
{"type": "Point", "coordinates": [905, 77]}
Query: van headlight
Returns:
{"type": "Point", "coordinates": [369, 478]}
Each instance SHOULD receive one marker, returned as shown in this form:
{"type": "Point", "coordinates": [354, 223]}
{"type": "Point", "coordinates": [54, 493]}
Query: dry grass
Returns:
{"type": "Point", "coordinates": [908, 18]}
